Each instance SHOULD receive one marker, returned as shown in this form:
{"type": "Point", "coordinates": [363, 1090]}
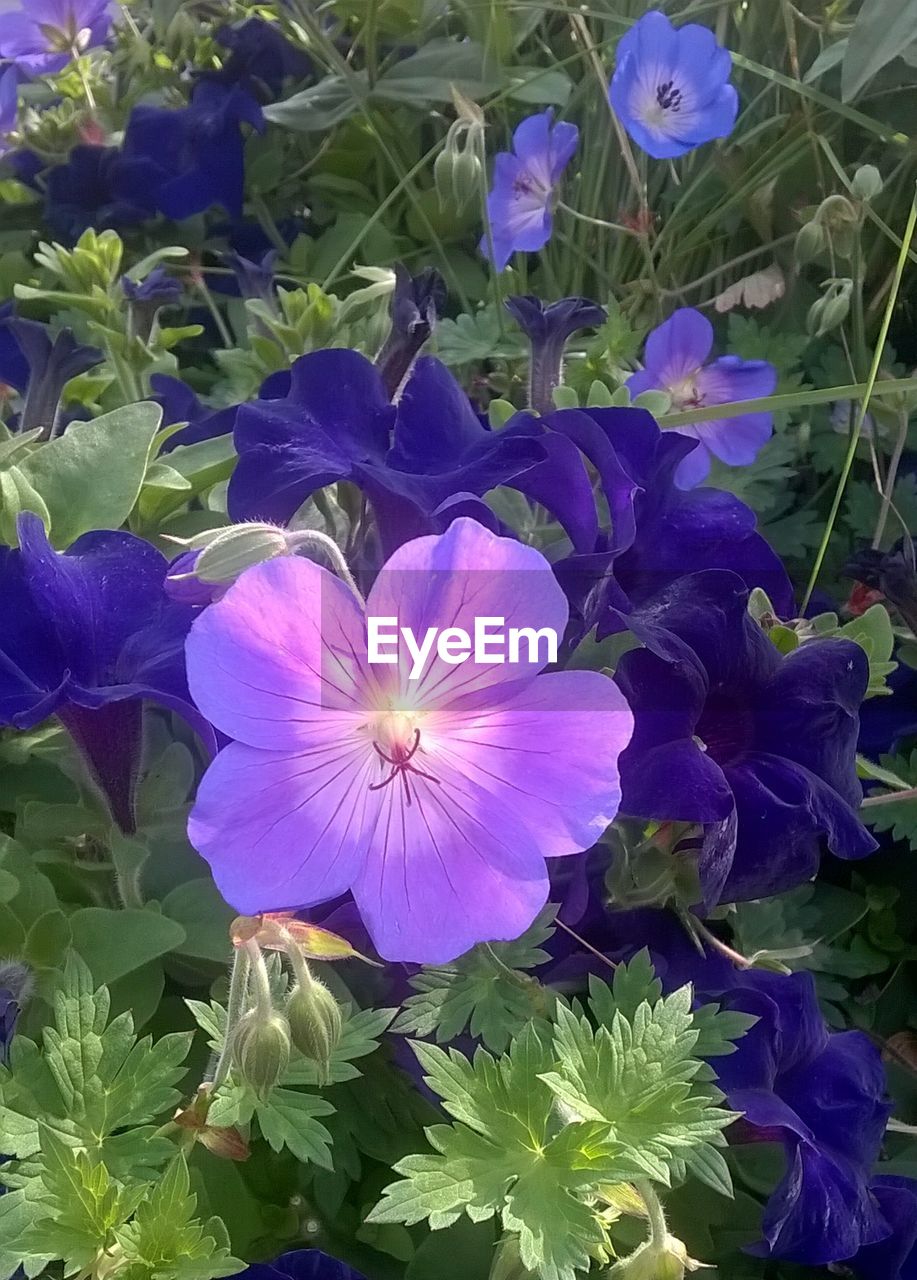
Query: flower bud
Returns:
{"type": "Point", "coordinates": [867, 182]}
{"type": "Point", "coordinates": [831, 310]}
{"type": "Point", "coordinates": [316, 1022]}
{"type": "Point", "coordinates": [261, 1049]}
{"type": "Point", "coordinates": [810, 242]}
{"type": "Point", "coordinates": [237, 548]}
{"type": "Point", "coordinates": [655, 1262]}
{"type": "Point", "coordinates": [457, 170]}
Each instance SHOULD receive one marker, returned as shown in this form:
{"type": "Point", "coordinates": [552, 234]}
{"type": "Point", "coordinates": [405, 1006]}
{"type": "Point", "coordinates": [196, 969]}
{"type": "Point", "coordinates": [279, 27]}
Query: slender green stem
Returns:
{"type": "Point", "coordinates": [891, 797]}
{"type": "Point", "coordinates": [792, 400]}
{"type": "Point", "coordinates": [225, 336]}
{"type": "Point", "coordinates": [260, 983]}
{"type": "Point", "coordinates": [864, 403]}
{"type": "Point", "coordinates": [238, 990]}
{"type": "Point", "coordinates": [659, 1231]}
{"type": "Point", "coordinates": [597, 222]}
{"type": "Point", "coordinates": [331, 551]}
{"type": "Point", "coordinates": [889, 491]}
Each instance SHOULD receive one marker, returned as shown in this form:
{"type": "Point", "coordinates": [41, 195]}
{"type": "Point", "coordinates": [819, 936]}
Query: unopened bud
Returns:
{"type": "Point", "coordinates": [316, 1023]}
{"type": "Point", "coordinates": [667, 1261]}
{"type": "Point", "coordinates": [457, 171]}
{"type": "Point", "coordinates": [831, 310]}
{"type": "Point", "coordinates": [261, 1049]}
{"type": "Point", "coordinates": [867, 182]}
{"type": "Point", "coordinates": [810, 242]}
{"type": "Point", "coordinates": [237, 548]}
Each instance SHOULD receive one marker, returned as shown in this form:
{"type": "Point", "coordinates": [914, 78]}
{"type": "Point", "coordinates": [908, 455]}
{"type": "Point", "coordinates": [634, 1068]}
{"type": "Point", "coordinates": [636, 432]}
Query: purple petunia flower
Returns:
{"type": "Point", "coordinates": [337, 423]}
{"type": "Point", "coordinates": [300, 1264]}
{"type": "Point", "coordinates": [259, 51]}
{"type": "Point", "coordinates": [671, 87]}
{"type": "Point", "coordinates": [42, 36]}
{"type": "Point", "coordinates": [52, 362]}
{"type": "Point", "coordinates": [9, 106]}
{"type": "Point", "coordinates": [87, 635]}
{"type": "Point", "coordinates": [548, 329]}
{"type": "Point", "coordinates": [895, 1257]}
{"type": "Point", "coordinates": [674, 361]}
{"type": "Point", "coordinates": [99, 187]}
{"type": "Point", "coordinates": [434, 800]}
{"type": "Point", "coordinates": [15, 989]}
{"type": "Point", "coordinates": [520, 203]}
{"type": "Point", "coordinates": [730, 733]}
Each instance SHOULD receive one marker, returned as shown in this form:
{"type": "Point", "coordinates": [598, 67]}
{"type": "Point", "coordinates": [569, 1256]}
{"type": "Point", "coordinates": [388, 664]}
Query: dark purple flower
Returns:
{"type": "Point", "coordinates": [300, 1264]}
{"type": "Point", "coordinates": [99, 187]}
{"type": "Point", "coordinates": [254, 278]}
{"type": "Point", "coordinates": [671, 87]}
{"type": "Point", "coordinates": [728, 728]}
{"type": "Point", "coordinates": [658, 532]}
{"type": "Point", "coordinates": [15, 989]}
{"type": "Point", "coordinates": [520, 203]}
{"type": "Point", "coordinates": [895, 1257]}
{"type": "Point", "coordinates": [52, 363]}
{"type": "Point", "coordinates": [14, 367]}
{"type": "Point", "coordinates": [180, 404]}
{"type": "Point", "coordinates": [415, 307]}
{"type": "Point", "coordinates": [87, 635]}
{"type": "Point", "coordinates": [196, 152]}
{"type": "Point", "coordinates": [42, 36]}
{"type": "Point", "coordinates": [9, 105]}
{"type": "Point", "coordinates": [548, 329]}
{"type": "Point", "coordinates": [674, 361]}
{"type": "Point", "coordinates": [258, 50]}
{"type": "Point", "coordinates": [147, 298]}
{"type": "Point", "coordinates": [337, 424]}
{"type": "Point", "coordinates": [892, 572]}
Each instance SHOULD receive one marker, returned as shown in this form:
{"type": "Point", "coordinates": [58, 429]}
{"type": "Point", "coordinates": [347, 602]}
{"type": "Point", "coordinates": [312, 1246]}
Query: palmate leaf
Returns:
{"type": "Point", "coordinates": [164, 1239]}
{"type": "Point", "coordinates": [484, 991]}
{"type": "Point", "coordinates": [92, 1079]}
{"type": "Point", "coordinates": [898, 817]}
{"type": "Point", "coordinates": [510, 1155]}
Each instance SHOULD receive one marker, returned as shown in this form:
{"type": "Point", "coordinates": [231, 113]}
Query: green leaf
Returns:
{"type": "Point", "coordinates": [510, 1155]}
{"type": "Point", "coordinates": [897, 816]}
{"type": "Point", "coordinates": [428, 75]}
{"type": "Point", "coordinates": [164, 1239]}
{"type": "Point", "coordinates": [114, 943]}
{"type": "Point", "coordinates": [288, 1119]}
{"type": "Point", "coordinates": [319, 108]}
{"type": "Point", "coordinates": [113, 451]}
{"type": "Point", "coordinates": [204, 917]}
{"type": "Point", "coordinates": [484, 991]}
{"type": "Point", "coordinates": [883, 28]}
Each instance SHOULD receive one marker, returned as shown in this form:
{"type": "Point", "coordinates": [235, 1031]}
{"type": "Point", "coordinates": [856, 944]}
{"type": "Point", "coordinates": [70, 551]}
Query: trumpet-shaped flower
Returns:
{"type": "Point", "coordinates": [434, 800]}
{"type": "Point", "coordinates": [520, 203]}
{"type": "Point", "coordinates": [88, 635]}
{"type": "Point", "coordinates": [675, 361]}
{"type": "Point", "coordinates": [671, 87]}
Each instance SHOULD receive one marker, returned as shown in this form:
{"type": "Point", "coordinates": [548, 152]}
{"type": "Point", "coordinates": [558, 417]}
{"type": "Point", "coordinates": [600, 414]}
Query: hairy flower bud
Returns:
{"type": "Point", "coordinates": [655, 1262]}
{"type": "Point", "coordinates": [261, 1049]}
{"type": "Point", "coordinates": [316, 1022]}
{"type": "Point", "coordinates": [810, 242]}
{"type": "Point", "coordinates": [831, 310]}
{"type": "Point", "coordinates": [867, 182]}
{"type": "Point", "coordinates": [237, 548]}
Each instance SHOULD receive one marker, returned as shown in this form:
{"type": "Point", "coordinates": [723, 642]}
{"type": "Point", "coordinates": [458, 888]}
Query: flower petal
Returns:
{"type": "Point", "coordinates": [280, 656]}
{"type": "Point", "coordinates": [452, 579]}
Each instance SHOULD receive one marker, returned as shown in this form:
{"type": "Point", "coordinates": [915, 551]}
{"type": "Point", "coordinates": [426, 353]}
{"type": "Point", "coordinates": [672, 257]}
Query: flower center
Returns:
{"type": "Point", "coordinates": [686, 394]}
{"type": "Point", "coordinates": [726, 727]}
{"type": "Point", "coordinates": [668, 96]}
{"type": "Point", "coordinates": [396, 741]}
{"type": "Point", "coordinates": [526, 184]}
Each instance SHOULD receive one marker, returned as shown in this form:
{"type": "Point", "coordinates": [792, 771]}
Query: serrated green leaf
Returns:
{"type": "Point", "coordinates": [288, 1119]}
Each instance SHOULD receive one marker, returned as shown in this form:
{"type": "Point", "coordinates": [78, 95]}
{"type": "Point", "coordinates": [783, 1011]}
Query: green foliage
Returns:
{"type": "Point", "coordinates": [570, 1108]}
{"type": "Point", "coordinates": [899, 817]}
{"type": "Point", "coordinates": [484, 991]}
{"type": "Point", "coordinates": [86, 1177]}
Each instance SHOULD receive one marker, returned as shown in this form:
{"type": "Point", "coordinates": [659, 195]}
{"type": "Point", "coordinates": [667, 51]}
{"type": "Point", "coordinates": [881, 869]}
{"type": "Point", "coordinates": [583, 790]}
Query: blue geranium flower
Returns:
{"type": "Point", "coordinates": [88, 635]}
{"type": "Point", "coordinates": [520, 203]}
{"type": "Point", "coordinates": [675, 361]}
{"type": "Point", "coordinates": [9, 105]}
{"type": "Point", "coordinates": [671, 87]}
{"type": "Point", "coordinates": [732, 734]}
{"type": "Point", "coordinates": [300, 1264]}
{"type": "Point", "coordinates": [42, 36]}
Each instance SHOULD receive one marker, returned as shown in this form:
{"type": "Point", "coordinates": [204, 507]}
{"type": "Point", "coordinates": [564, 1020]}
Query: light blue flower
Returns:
{"type": "Point", "coordinates": [671, 87]}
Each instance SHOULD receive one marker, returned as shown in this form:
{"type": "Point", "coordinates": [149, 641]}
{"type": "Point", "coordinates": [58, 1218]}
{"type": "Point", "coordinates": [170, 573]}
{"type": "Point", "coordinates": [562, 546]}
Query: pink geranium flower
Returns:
{"type": "Point", "coordinates": [436, 800]}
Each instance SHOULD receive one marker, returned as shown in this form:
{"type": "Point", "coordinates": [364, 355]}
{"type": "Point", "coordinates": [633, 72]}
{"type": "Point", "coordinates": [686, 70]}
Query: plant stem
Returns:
{"type": "Point", "coordinates": [596, 222]}
{"type": "Point", "coordinates": [864, 403]}
{"type": "Point", "coordinates": [889, 493]}
{"type": "Point", "coordinates": [264, 1001]}
{"type": "Point", "coordinates": [871, 802]}
{"type": "Point", "coordinates": [718, 944]}
{"type": "Point", "coordinates": [238, 989]}
{"type": "Point", "coordinates": [588, 945]}
{"type": "Point", "coordinates": [332, 552]}
{"type": "Point", "coordinates": [659, 1232]}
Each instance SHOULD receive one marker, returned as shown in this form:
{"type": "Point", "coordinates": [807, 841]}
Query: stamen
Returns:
{"type": "Point", "coordinates": [668, 96]}
{"type": "Point", "coordinates": [400, 760]}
